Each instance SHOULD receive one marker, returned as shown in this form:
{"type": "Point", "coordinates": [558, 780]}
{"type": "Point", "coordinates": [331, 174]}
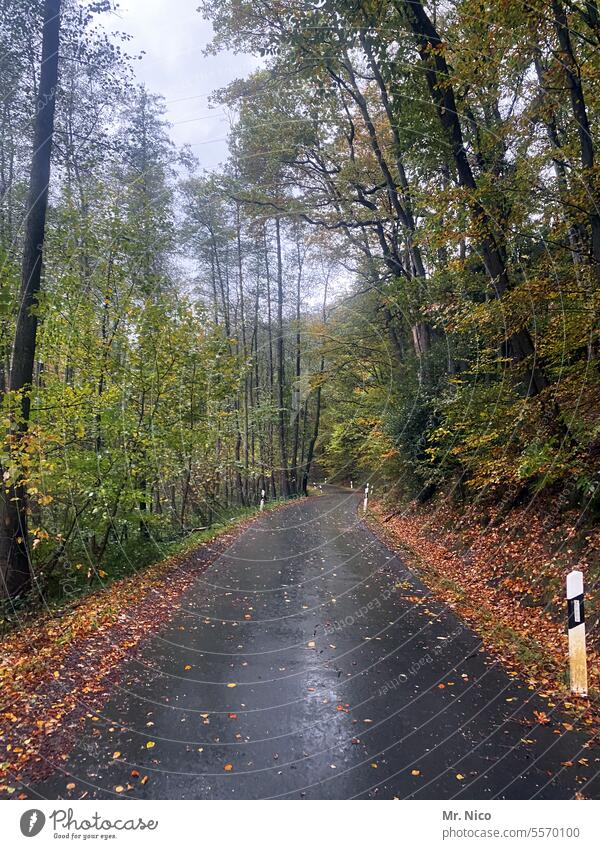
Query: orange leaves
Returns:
{"type": "Point", "coordinates": [497, 569]}
{"type": "Point", "coordinates": [122, 614]}
{"type": "Point", "coordinates": [541, 717]}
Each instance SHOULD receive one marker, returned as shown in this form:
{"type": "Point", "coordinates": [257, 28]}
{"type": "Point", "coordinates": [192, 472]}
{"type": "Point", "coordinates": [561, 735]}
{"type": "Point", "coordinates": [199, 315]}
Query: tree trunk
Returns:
{"type": "Point", "coordinates": [437, 73]}
{"type": "Point", "coordinates": [15, 567]}
{"type": "Point", "coordinates": [283, 474]}
{"type": "Point", "coordinates": [586, 144]}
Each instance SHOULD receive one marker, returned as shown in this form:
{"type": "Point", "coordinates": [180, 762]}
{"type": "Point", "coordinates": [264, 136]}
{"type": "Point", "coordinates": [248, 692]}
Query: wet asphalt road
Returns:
{"type": "Point", "coordinates": [338, 655]}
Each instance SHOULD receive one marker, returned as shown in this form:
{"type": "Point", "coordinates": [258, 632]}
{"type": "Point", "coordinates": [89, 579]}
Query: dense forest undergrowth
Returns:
{"type": "Point", "coordinates": [394, 274]}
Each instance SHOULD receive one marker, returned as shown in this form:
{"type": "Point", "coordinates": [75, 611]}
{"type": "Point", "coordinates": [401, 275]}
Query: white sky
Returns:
{"type": "Point", "coordinates": [174, 36]}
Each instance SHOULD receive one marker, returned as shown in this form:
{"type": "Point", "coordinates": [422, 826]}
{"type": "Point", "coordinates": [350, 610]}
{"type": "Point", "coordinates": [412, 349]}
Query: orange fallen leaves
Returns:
{"type": "Point", "coordinates": [541, 717]}
{"type": "Point", "coordinates": [495, 570]}
{"type": "Point", "coordinates": [54, 658]}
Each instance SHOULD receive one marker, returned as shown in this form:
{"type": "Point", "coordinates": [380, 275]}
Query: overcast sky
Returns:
{"type": "Point", "coordinates": [173, 35]}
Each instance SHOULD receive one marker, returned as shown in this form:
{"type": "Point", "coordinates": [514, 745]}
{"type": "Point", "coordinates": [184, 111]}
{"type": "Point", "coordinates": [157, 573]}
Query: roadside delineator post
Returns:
{"type": "Point", "coordinates": [366, 499]}
{"type": "Point", "coordinates": [262, 499]}
{"type": "Point", "coordinates": [351, 485]}
{"type": "Point", "coordinates": [576, 625]}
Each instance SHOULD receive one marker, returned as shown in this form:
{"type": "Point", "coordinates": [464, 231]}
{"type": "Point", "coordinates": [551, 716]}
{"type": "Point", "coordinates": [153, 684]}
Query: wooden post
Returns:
{"type": "Point", "coordinates": [576, 625]}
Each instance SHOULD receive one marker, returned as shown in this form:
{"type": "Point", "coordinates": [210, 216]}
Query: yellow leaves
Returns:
{"type": "Point", "coordinates": [150, 744]}
{"type": "Point", "coordinates": [116, 755]}
{"type": "Point", "coordinates": [228, 767]}
{"type": "Point", "coordinates": [187, 667]}
{"type": "Point", "coordinates": [460, 776]}
{"type": "Point", "coordinates": [415, 772]}
{"type": "Point", "coordinates": [232, 685]}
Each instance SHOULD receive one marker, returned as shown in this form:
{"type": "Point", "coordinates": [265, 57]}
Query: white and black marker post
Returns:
{"type": "Point", "coordinates": [577, 655]}
{"type": "Point", "coordinates": [262, 499]}
{"type": "Point", "coordinates": [366, 499]}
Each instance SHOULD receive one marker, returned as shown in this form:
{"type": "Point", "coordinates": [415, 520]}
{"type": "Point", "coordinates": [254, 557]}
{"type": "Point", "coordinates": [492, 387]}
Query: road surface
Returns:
{"type": "Point", "coordinates": [306, 663]}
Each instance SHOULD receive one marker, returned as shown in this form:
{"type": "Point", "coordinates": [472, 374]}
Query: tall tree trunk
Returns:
{"type": "Point", "coordinates": [296, 484]}
{"type": "Point", "coordinates": [271, 366]}
{"type": "Point", "coordinates": [283, 474]}
{"type": "Point", "coordinates": [310, 453]}
{"type": "Point", "coordinates": [15, 567]}
{"type": "Point", "coordinates": [519, 345]}
{"type": "Point", "coordinates": [586, 145]}
{"type": "Point", "coordinates": [560, 169]}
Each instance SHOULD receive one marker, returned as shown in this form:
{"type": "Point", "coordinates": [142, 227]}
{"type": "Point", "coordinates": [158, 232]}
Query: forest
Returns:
{"type": "Point", "coordinates": [393, 278]}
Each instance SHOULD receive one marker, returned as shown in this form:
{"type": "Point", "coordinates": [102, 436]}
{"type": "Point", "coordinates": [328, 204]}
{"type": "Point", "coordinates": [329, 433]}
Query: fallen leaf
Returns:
{"type": "Point", "coordinates": [228, 767]}
{"type": "Point", "coordinates": [541, 717]}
